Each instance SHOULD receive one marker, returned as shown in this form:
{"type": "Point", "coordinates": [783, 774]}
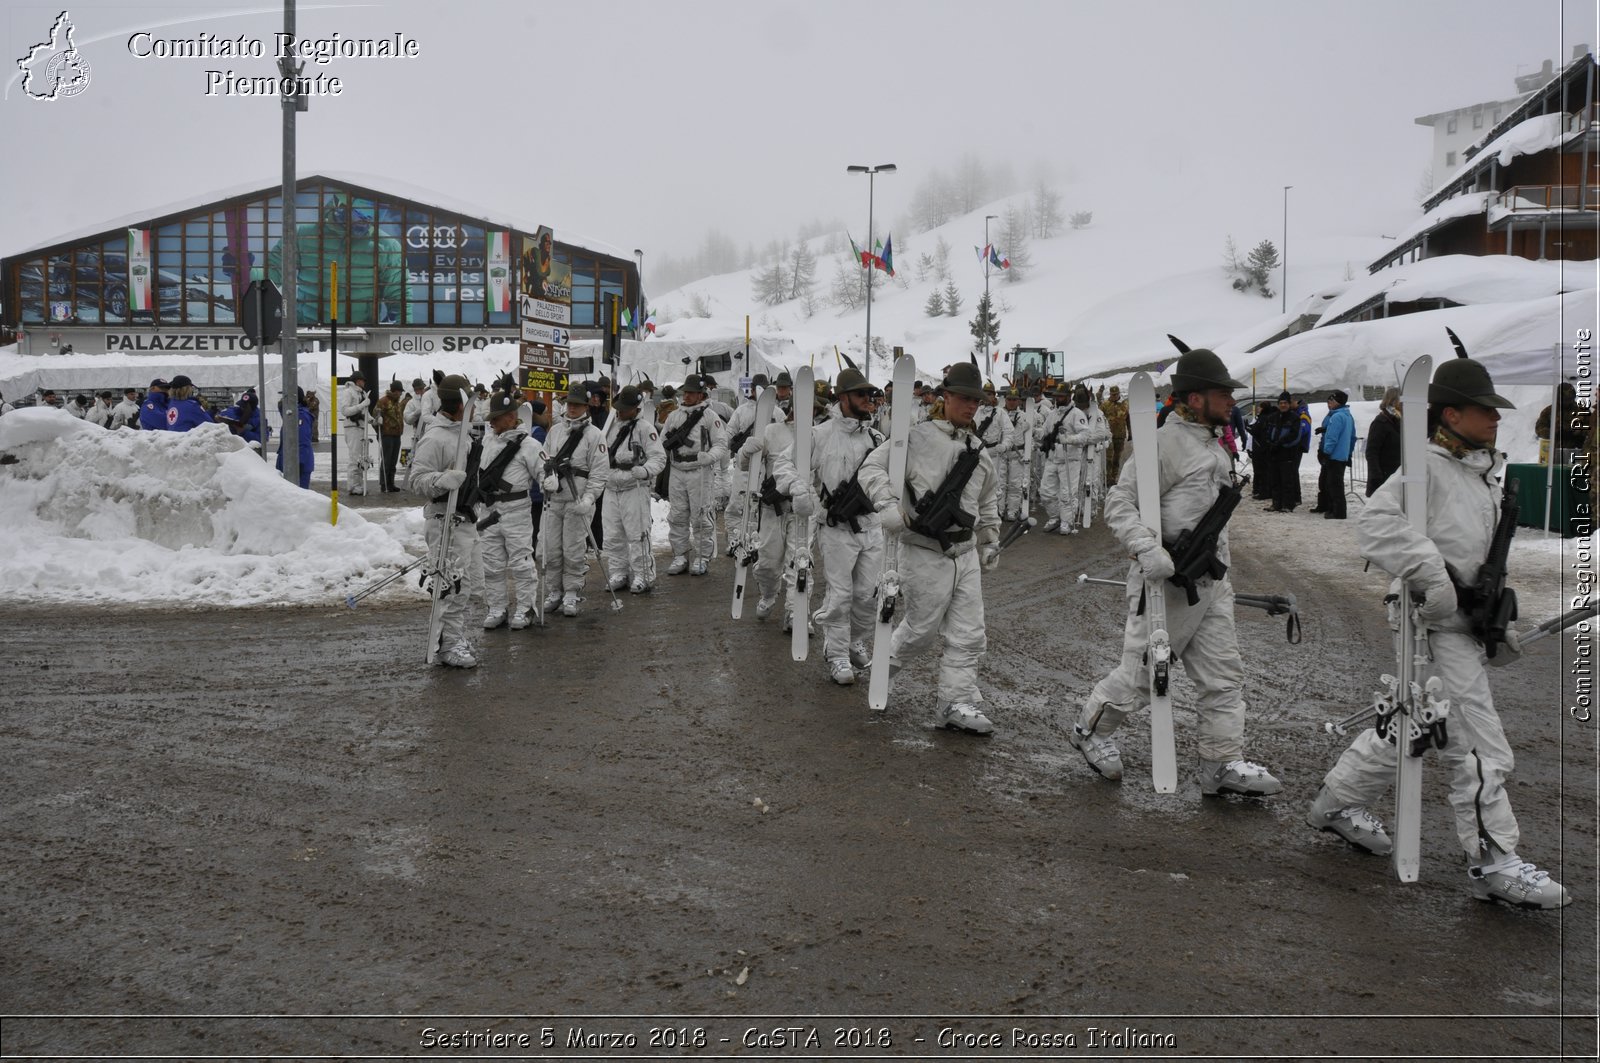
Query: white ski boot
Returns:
{"type": "Point", "coordinates": [841, 672]}
{"type": "Point", "coordinates": [1354, 823]}
{"type": "Point", "coordinates": [1101, 754]}
{"type": "Point", "coordinates": [495, 618]}
{"type": "Point", "coordinates": [639, 586]}
{"type": "Point", "coordinates": [679, 566]}
{"type": "Point", "coordinates": [521, 618]}
{"type": "Point", "coordinates": [1518, 883]}
{"type": "Point", "coordinates": [569, 604]}
{"type": "Point", "coordinates": [552, 602]}
{"type": "Point", "coordinates": [859, 656]}
{"type": "Point", "coordinates": [698, 568]}
{"type": "Point", "coordinates": [458, 656]}
{"type": "Point", "coordinates": [1236, 777]}
{"type": "Point", "coordinates": [764, 607]}
{"type": "Point", "coordinates": [964, 716]}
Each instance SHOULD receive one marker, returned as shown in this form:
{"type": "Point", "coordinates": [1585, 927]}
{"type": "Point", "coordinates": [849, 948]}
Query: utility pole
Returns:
{"type": "Point", "coordinates": [288, 347]}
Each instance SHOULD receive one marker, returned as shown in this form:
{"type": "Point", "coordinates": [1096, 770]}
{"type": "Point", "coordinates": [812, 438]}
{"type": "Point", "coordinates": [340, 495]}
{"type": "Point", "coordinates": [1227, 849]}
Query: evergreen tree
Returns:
{"type": "Point", "coordinates": [935, 304]}
{"type": "Point", "coordinates": [952, 298]}
{"type": "Point", "coordinates": [846, 291]}
{"type": "Point", "coordinates": [985, 327]}
{"type": "Point", "coordinates": [1260, 263]}
{"type": "Point", "coordinates": [924, 266]}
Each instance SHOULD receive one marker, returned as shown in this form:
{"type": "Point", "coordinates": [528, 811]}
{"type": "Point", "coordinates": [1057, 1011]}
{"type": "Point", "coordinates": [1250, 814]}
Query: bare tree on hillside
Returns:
{"type": "Point", "coordinates": [1046, 211]}
{"type": "Point", "coordinates": [1014, 243]}
{"type": "Point", "coordinates": [971, 183]}
{"type": "Point", "coordinates": [770, 285]}
{"type": "Point", "coordinates": [941, 259]}
{"type": "Point", "coordinates": [802, 270]}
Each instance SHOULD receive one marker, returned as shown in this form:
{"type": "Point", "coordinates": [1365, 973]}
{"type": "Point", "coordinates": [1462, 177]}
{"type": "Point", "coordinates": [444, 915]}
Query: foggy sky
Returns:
{"type": "Point", "coordinates": [644, 124]}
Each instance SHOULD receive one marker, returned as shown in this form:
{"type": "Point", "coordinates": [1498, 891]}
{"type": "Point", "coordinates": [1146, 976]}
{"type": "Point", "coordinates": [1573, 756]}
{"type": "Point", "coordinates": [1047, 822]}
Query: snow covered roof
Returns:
{"type": "Point", "coordinates": [1499, 334]}
{"type": "Point", "coordinates": [373, 182]}
{"type": "Point", "coordinates": [1465, 279]}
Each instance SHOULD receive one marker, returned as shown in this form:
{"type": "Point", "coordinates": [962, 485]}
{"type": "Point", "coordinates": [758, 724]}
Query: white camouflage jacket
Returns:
{"type": "Point", "coordinates": [838, 447]}
{"type": "Point", "coordinates": [641, 450]}
{"type": "Point", "coordinates": [1194, 467]}
{"type": "Point", "coordinates": [931, 450]}
{"type": "Point", "coordinates": [589, 465]}
{"type": "Point", "coordinates": [1463, 507]}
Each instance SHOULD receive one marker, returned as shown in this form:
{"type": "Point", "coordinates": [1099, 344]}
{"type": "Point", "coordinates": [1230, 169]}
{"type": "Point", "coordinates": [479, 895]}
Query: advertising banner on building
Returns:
{"type": "Point", "coordinates": [543, 278]}
{"type": "Point", "coordinates": [499, 286]}
{"type": "Point", "coordinates": [139, 269]}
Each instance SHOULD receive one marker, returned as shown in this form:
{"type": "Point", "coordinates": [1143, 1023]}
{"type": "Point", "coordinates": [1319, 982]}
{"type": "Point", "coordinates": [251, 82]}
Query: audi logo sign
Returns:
{"type": "Point", "coordinates": [422, 237]}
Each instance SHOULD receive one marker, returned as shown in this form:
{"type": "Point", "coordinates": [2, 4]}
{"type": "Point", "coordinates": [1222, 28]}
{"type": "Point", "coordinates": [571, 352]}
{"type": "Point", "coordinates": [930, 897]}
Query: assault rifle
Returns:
{"type": "Point", "coordinates": [1489, 603]}
{"type": "Point", "coordinates": [940, 508]}
{"type": "Point", "coordinates": [1194, 552]}
{"type": "Point", "coordinates": [847, 503]}
{"type": "Point", "coordinates": [1048, 443]}
{"type": "Point", "coordinates": [680, 435]}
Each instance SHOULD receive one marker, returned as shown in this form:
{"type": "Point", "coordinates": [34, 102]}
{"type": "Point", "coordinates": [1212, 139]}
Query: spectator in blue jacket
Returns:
{"type": "Point", "coordinates": [243, 418]}
{"type": "Point", "coordinates": [307, 455]}
{"type": "Point", "coordinates": [153, 411]}
{"type": "Point", "coordinates": [1338, 434]}
{"type": "Point", "coordinates": [184, 411]}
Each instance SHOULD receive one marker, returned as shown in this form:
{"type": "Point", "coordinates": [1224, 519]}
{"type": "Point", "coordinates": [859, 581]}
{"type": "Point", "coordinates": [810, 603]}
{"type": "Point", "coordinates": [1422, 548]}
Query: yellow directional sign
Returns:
{"type": "Point", "coordinates": [542, 378]}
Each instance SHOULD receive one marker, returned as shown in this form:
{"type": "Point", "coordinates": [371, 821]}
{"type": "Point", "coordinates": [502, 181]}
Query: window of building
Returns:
{"type": "Point", "coordinates": [1450, 126]}
{"type": "Point", "coordinates": [1449, 158]}
{"type": "Point", "coordinates": [1477, 119]}
{"type": "Point", "coordinates": [1497, 116]}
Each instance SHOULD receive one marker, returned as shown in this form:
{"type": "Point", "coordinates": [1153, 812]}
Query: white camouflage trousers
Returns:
{"type": "Point", "coordinates": [507, 547]}
{"type": "Point", "coordinates": [852, 563]}
{"type": "Point", "coordinates": [563, 540]}
{"type": "Point", "coordinates": [1204, 638]}
{"type": "Point", "coordinates": [1477, 755]}
{"type": "Point", "coordinates": [1055, 489]}
{"type": "Point", "coordinates": [1013, 484]}
{"type": "Point", "coordinates": [625, 517]}
{"type": "Point", "coordinates": [463, 542]}
{"type": "Point", "coordinates": [360, 459]}
{"type": "Point", "coordinates": [948, 605]}
{"type": "Point", "coordinates": [777, 538]}
{"type": "Point", "coordinates": [691, 523]}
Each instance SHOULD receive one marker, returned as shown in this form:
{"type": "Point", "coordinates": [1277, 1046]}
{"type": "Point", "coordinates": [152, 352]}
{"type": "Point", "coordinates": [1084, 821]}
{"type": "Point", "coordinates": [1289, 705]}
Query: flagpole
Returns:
{"type": "Point", "coordinates": [871, 172]}
{"type": "Point", "coordinates": [987, 218]}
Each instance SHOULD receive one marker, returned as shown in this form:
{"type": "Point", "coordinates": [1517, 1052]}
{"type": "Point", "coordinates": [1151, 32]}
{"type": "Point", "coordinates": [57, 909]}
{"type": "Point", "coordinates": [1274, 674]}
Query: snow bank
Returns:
{"type": "Point", "coordinates": [194, 518]}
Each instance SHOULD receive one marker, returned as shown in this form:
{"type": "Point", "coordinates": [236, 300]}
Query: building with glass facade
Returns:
{"type": "Point", "coordinates": [413, 276]}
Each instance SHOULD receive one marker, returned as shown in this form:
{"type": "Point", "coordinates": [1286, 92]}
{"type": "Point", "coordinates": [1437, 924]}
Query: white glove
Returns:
{"type": "Point", "coordinates": [805, 503]}
{"type": "Point", "coordinates": [893, 521]}
{"type": "Point", "coordinates": [1510, 650]}
{"type": "Point", "coordinates": [450, 479]}
{"type": "Point", "coordinates": [1156, 562]}
{"type": "Point", "coordinates": [584, 507]}
{"type": "Point", "coordinates": [641, 473]}
{"type": "Point", "coordinates": [1440, 604]}
{"type": "Point", "coordinates": [704, 458]}
{"type": "Point", "coordinates": [550, 485]}
{"type": "Point", "coordinates": [989, 543]}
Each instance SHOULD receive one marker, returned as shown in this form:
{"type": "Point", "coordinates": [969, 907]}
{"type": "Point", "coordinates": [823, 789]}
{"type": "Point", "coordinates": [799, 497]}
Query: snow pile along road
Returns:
{"type": "Point", "coordinates": [193, 518]}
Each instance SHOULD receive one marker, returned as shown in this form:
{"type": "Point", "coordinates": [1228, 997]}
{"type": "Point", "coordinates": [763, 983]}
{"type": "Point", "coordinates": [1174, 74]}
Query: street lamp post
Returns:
{"type": "Point", "coordinates": [1285, 285]}
{"type": "Point", "coordinates": [987, 218]}
{"type": "Point", "coordinates": [638, 307]}
{"type": "Point", "coordinates": [871, 172]}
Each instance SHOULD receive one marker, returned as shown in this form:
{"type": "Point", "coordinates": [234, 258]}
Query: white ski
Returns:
{"type": "Point", "coordinates": [888, 596]}
{"type": "Point", "coordinates": [800, 557]}
{"type": "Point", "coordinates": [1158, 655]}
{"type": "Point", "coordinates": [443, 578]}
{"type": "Point", "coordinates": [744, 554]}
{"type": "Point", "coordinates": [1408, 702]}
{"type": "Point", "coordinates": [1030, 410]}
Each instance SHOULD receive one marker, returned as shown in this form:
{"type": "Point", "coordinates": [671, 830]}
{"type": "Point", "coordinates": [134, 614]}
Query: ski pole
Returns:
{"type": "Point", "coordinates": [1086, 578]}
{"type": "Point", "coordinates": [352, 599]}
{"type": "Point", "coordinates": [1276, 605]}
{"type": "Point", "coordinates": [1557, 624]}
{"type": "Point", "coordinates": [1018, 529]}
